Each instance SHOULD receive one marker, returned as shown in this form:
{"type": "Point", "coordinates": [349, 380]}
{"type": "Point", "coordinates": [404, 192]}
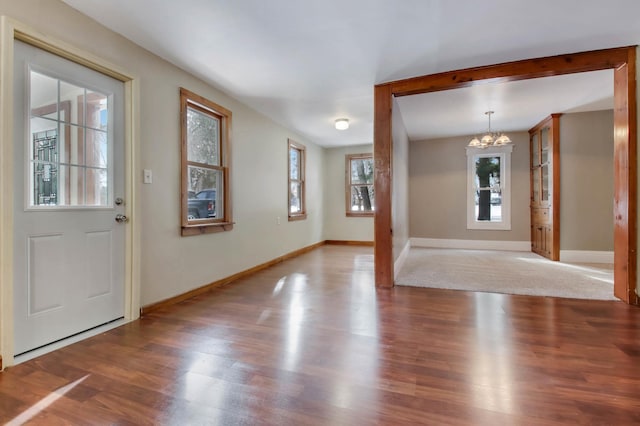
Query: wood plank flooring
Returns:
{"type": "Point", "coordinates": [310, 341]}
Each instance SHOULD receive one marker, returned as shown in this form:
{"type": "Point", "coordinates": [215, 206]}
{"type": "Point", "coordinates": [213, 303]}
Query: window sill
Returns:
{"type": "Point", "coordinates": [362, 214]}
{"type": "Point", "coordinates": [206, 228]}
{"type": "Point", "coordinates": [301, 216]}
{"type": "Point", "coordinates": [489, 226]}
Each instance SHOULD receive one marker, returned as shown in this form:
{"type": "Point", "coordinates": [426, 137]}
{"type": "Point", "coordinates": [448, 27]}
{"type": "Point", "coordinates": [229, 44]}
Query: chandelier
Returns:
{"type": "Point", "coordinates": [490, 138]}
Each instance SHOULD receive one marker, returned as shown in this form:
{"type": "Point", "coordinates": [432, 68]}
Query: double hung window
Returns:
{"type": "Point", "coordinates": [488, 188]}
{"type": "Point", "coordinates": [205, 165]}
{"type": "Point", "coordinates": [359, 179]}
{"type": "Point", "coordinates": [297, 205]}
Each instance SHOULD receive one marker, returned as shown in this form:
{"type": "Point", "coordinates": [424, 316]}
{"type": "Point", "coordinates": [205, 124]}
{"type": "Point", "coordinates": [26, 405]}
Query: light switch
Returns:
{"type": "Point", "coordinates": [148, 176]}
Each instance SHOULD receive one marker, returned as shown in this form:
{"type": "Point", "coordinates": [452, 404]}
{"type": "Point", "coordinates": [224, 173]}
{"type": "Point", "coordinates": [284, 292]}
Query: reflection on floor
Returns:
{"type": "Point", "coordinates": [311, 341]}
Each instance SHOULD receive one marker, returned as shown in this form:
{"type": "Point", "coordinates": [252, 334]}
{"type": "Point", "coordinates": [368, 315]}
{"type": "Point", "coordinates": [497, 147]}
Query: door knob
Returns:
{"type": "Point", "coordinates": [120, 218]}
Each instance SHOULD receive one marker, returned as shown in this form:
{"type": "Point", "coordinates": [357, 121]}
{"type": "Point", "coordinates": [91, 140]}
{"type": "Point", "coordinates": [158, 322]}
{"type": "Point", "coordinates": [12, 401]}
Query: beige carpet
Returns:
{"type": "Point", "coordinates": [505, 272]}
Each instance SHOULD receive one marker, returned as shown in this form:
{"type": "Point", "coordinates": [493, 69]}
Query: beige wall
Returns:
{"type": "Point", "coordinates": [438, 190]}
{"type": "Point", "coordinates": [586, 181]}
{"type": "Point", "coordinates": [171, 264]}
{"type": "Point", "coordinates": [400, 182]}
{"type": "Point", "coordinates": [337, 226]}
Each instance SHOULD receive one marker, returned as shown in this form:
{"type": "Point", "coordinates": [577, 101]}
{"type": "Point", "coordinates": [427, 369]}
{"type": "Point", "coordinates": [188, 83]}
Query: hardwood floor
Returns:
{"type": "Point", "coordinates": [311, 341]}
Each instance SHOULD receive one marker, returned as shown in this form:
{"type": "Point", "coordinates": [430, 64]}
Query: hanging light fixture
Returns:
{"type": "Point", "coordinates": [490, 138]}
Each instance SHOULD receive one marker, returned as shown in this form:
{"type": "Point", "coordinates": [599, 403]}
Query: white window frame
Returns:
{"type": "Point", "coordinates": [504, 152]}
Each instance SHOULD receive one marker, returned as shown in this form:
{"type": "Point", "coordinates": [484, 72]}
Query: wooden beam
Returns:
{"type": "Point", "coordinates": [513, 71]}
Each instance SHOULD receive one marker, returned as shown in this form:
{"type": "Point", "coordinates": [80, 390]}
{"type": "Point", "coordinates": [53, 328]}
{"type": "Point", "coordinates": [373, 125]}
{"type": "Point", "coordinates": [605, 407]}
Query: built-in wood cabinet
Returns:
{"type": "Point", "coordinates": [544, 141]}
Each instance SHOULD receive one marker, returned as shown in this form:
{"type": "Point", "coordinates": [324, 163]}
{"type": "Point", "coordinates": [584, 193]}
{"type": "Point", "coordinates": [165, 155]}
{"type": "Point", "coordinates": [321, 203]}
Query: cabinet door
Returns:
{"type": "Point", "coordinates": [547, 240]}
{"type": "Point", "coordinates": [544, 179]}
{"type": "Point", "coordinates": [535, 186]}
{"type": "Point", "coordinates": [544, 174]}
{"type": "Point", "coordinates": [535, 150]}
{"type": "Point", "coordinates": [544, 145]}
{"type": "Point", "coordinates": [537, 239]}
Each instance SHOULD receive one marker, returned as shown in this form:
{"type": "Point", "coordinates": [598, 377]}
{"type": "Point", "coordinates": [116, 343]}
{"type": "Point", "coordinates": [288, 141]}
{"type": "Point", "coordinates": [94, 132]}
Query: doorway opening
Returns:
{"type": "Point", "coordinates": [621, 60]}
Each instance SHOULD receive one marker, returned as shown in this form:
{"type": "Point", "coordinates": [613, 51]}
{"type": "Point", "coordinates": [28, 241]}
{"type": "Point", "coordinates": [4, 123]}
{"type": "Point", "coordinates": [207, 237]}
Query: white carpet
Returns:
{"type": "Point", "coordinates": [505, 272]}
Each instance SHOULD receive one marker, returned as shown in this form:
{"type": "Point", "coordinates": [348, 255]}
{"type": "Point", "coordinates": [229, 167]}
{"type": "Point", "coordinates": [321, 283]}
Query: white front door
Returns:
{"type": "Point", "coordinates": [69, 251]}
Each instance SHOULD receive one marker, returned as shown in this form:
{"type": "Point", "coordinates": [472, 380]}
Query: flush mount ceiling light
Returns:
{"type": "Point", "coordinates": [490, 138]}
{"type": "Point", "coordinates": [342, 123]}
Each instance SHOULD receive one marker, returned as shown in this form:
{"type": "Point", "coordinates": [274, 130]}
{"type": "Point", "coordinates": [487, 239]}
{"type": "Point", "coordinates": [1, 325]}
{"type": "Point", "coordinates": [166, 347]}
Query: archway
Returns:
{"type": "Point", "coordinates": [621, 60]}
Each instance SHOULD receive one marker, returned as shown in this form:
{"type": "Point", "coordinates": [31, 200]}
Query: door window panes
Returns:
{"type": "Point", "coordinates": [69, 144]}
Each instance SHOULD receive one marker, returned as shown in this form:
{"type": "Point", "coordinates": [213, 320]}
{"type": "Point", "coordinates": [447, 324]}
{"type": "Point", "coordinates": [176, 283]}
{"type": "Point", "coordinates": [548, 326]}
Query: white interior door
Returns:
{"type": "Point", "coordinates": [69, 182]}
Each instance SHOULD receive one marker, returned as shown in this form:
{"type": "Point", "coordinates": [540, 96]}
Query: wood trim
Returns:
{"type": "Point", "coordinates": [189, 99]}
{"type": "Point", "coordinates": [622, 60]}
{"type": "Point", "coordinates": [513, 71]}
{"type": "Point", "coordinates": [383, 156]}
{"type": "Point", "coordinates": [227, 280]}
{"type": "Point", "coordinates": [625, 181]}
{"type": "Point", "coordinates": [209, 228]}
{"type": "Point", "coordinates": [302, 214]}
{"type": "Point", "coordinates": [362, 214]}
{"type": "Point", "coordinates": [552, 122]}
{"type": "Point", "coordinates": [556, 188]}
{"type": "Point", "coordinates": [347, 184]}
{"type": "Point", "coordinates": [349, 243]}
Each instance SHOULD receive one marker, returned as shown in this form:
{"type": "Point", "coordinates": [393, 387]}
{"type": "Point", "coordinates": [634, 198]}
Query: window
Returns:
{"type": "Point", "coordinates": [297, 207]}
{"type": "Point", "coordinates": [71, 146]}
{"type": "Point", "coordinates": [359, 179]}
{"type": "Point", "coordinates": [488, 188]}
{"type": "Point", "coordinates": [205, 128]}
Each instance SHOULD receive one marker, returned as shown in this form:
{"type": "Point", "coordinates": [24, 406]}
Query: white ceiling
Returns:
{"type": "Point", "coordinates": [306, 63]}
{"type": "Point", "coordinates": [517, 105]}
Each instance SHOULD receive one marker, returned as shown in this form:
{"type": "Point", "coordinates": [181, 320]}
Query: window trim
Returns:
{"type": "Point", "coordinates": [225, 223]}
{"type": "Point", "coordinates": [302, 214]}
{"type": "Point", "coordinates": [348, 185]}
{"type": "Point", "coordinates": [504, 152]}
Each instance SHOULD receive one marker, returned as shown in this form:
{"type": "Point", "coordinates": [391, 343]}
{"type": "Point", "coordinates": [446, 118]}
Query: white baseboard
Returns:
{"type": "Point", "coordinates": [399, 263]}
{"type": "Point", "coordinates": [472, 244]}
{"type": "Point", "coordinates": [586, 256]}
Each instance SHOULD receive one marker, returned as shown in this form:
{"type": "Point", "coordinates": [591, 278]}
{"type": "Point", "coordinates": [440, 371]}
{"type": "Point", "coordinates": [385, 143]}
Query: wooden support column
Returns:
{"type": "Point", "coordinates": [382, 157]}
{"type": "Point", "coordinates": [625, 181]}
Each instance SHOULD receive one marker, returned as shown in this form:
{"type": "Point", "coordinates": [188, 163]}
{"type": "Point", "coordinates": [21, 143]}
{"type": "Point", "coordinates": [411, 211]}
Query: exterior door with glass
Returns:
{"type": "Point", "coordinates": [69, 233]}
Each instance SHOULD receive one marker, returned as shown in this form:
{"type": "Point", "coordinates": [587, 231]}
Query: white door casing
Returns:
{"type": "Point", "coordinates": [69, 261]}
